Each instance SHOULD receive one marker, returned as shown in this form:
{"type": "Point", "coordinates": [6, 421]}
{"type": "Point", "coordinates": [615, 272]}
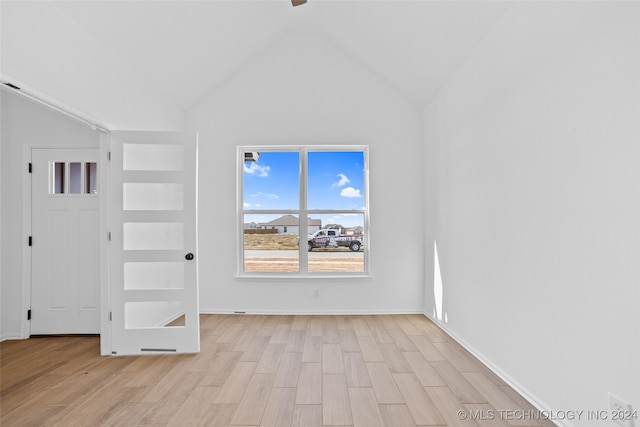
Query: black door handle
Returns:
{"type": "Point", "coordinates": [188, 256]}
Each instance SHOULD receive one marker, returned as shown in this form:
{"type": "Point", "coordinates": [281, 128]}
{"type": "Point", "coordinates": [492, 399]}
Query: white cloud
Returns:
{"type": "Point", "coordinates": [247, 205]}
{"type": "Point", "coordinates": [343, 180]}
{"type": "Point", "coordinates": [256, 169]}
{"type": "Point", "coordinates": [261, 194]}
{"type": "Point", "coordinates": [350, 192]}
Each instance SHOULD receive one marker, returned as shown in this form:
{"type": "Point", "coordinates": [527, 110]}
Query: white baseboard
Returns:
{"type": "Point", "coordinates": [309, 312]}
{"type": "Point", "coordinates": [528, 396]}
{"type": "Point", "coordinates": [11, 337]}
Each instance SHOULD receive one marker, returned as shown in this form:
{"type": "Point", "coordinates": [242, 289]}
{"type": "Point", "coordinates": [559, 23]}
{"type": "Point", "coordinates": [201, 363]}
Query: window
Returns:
{"type": "Point", "coordinates": [73, 178]}
{"type": "Point", "coordinates": [316, 191]}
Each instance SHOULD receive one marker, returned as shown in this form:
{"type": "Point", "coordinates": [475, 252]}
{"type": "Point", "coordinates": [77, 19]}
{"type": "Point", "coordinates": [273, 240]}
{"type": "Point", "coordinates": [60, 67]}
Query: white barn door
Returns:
{"type": "Point", "coordinates": [153, 254]}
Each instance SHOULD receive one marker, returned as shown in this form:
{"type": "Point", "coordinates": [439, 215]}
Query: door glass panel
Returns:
{"type": "Point", "coordinates": [153, 157]}
{"type": "Point", "coordinates": [91, 178]}
{"type": "Point", "coordinates": [153, 236]}
{"type": "Point", "coordinates": [58, 178]}
{"type": "Point", "coordinates": [153, 197]}
{"type": "Point", "coordinates": [154, 275]}
{"type": "Point", "coordinates": [152, 314]}
{"type": "Point", "coordinates": [179, 321]}
{"type": "Point", "coordinates": [75, 178]}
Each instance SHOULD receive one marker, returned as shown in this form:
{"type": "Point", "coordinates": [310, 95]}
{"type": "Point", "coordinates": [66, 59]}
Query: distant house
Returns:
{"type": "Point", "coordinates": [354, 230]}
{"type": "Point", "coordinates": [288, 224]}
{"type": "Point", "coordinates": [250, 226]}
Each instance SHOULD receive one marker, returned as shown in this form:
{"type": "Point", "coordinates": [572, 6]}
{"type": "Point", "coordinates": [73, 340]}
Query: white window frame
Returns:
{"type": "Point", "coordinates": [301, 212]}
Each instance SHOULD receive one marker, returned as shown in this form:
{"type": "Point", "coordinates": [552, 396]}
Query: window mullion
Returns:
{"type": "Point", "coordinates": [303, 254]}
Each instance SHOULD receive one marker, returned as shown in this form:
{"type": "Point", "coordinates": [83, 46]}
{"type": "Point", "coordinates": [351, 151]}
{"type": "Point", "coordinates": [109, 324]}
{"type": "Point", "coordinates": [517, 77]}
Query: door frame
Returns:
{"type": "Point", "coordinates": [105, 295]}
{"type": "Point", "coordinates": [27, 259]}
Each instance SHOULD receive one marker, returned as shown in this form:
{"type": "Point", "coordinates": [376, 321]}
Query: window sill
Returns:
{"type": "Point", "coordinates": [281, 277]}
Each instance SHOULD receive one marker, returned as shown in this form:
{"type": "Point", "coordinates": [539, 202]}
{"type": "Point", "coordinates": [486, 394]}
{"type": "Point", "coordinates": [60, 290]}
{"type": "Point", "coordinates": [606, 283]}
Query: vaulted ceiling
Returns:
{"type": "Point", "coordinates": [175, 52]}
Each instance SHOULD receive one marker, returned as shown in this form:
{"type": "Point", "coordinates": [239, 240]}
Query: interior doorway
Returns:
{"type": "Point", "coordinates": [65, 255]}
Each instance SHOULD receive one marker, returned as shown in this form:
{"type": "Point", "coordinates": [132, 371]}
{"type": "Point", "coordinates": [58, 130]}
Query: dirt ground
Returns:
{"type": "Point", "coordinates": [290, 265]}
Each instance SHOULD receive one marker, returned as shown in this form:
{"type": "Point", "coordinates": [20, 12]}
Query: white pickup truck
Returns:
{"type": "Point", "coordinates": [327, 238]}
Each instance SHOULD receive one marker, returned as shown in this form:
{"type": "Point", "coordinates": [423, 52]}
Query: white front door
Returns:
{"type": "Point", "coordinates": [153, 253]}
{"type": "Point", "coordinates": [65, 221]}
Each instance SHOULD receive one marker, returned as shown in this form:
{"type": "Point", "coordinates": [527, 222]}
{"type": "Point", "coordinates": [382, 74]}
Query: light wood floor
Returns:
{"type": "Point", "coordinates": [302, 371]}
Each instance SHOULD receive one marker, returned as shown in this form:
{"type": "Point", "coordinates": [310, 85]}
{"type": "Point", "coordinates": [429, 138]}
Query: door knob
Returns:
{"type": "Point", "coordinates": [188, 256]}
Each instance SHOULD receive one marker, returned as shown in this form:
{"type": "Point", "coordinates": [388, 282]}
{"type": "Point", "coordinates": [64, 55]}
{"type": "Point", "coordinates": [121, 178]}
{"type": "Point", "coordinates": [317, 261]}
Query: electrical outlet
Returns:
{"type": "Point", "coordinates": [316, 293]}
{"type": "Point", "coordinates": [621, 411]}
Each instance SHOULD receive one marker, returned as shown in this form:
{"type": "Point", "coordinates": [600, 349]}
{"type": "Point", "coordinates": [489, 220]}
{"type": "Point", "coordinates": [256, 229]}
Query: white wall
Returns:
{"type": "Point", "coordinates": [24, 124]}
{"type": "Point", "coordinates": [304, 90]}
{"type": "Point", "coordinates": [534, 147]}
{"type": "Point", "coordinates": [32, 52]}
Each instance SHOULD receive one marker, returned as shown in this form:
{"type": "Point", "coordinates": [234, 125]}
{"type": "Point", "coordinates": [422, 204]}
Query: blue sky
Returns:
{"type": "Point", "coordinates": [335, 181]}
